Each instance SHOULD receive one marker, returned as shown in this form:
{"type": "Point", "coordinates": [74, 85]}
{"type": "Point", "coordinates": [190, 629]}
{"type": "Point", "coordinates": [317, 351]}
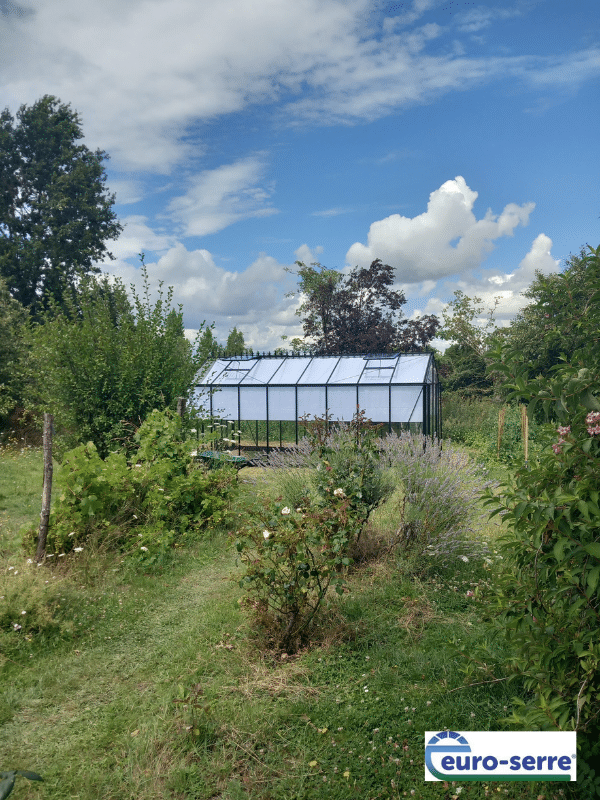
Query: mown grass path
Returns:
{"type": "Point", "coordinates": [99, 715]}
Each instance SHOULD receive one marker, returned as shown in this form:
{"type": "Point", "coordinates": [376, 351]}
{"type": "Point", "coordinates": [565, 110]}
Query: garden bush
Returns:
{"type": "Point", "coordinates": [439, 511]}
{"type": "Point", "coordinates": [293, 554]}
{"type": "Point", "coordinates": [549, 601]}
{"type": "Point", "coordinates": [141, 504]}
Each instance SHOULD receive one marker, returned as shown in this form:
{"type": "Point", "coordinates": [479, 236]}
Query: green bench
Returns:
{"type": "Point", "coordinates": [214, 458]}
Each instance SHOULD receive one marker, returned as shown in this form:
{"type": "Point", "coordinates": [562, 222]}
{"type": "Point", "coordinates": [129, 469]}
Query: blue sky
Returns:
{"type": "Point", "coordinates": [457, 141]}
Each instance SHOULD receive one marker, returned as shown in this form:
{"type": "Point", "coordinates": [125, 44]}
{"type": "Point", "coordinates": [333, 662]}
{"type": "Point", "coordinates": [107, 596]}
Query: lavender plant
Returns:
{"type": "Point", "coordinates": [442, 488]}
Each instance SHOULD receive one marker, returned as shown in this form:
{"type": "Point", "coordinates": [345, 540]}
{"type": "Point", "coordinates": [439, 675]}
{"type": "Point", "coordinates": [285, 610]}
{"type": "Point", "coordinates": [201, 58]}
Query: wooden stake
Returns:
{"type": "Point", "coordinates": [47, 489]}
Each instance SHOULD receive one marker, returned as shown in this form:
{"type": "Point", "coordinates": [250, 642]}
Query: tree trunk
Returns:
{"type": "Point", "coordinates": [47, 490]}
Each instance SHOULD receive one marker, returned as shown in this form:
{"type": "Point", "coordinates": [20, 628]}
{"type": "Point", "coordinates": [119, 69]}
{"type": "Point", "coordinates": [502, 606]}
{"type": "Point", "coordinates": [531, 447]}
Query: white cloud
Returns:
{"type": "Point", "coordinates": [507, 287]}
{"type": "Point", "coordinates": [218, 198]}
{"type": "Point", "coordinates": [308, 255]}
{"type": "Point", "coordinates": [444, 240]}
{"type": "Point", "coordinates": [138, 237]}
{"type": "Point", "coordinates": [142, 72]}
{"type": "Point", "coordinates": [253, 299]}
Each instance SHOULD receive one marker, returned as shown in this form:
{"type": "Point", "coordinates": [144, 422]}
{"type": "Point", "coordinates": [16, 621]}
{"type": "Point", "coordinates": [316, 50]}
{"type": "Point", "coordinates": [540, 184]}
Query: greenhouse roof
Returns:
{"type": "Point", "coordinates": [393, 369]}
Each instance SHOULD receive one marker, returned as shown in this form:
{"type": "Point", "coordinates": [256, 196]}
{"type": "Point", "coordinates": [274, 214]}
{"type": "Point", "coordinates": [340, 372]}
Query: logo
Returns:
{"type": "Point", "coordinates": [500, 756]}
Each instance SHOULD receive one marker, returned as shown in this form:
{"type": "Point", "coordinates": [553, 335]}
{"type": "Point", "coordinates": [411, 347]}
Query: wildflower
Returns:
{"type": "Point", "coordinates": [23, 612]}
{"type": "Point", "coordinates": [145, 549]}
{"type": "Point", "coordinates": [312, 763]}
{"type": "Point", "coordinates": [339, 492]}
{"type": "Point", "coordinates": [563, 430]}
{"type": "Point", "coordinates": [10, 568]}
{"type": "Point", "coordinates": [266, 534]}
{"type": "Point", "coordinates": [16, 626]}
{"type": "Point", "coordinates": [465, 559]}
{"type": "Point", "coordinates": [72, 533]}
{"type": "Point", "coordinates": [78, 549]}
{"type": "Point", "coordinates": [285, 511]}
{"type": "Point", "coordinates": [347, 774]}
{"type": "Point", "coordinates": [470, 593]}
{"type": "Point", "coordinates": [556, 448]}
{"type": "Point", "coordinates": [593, 422]}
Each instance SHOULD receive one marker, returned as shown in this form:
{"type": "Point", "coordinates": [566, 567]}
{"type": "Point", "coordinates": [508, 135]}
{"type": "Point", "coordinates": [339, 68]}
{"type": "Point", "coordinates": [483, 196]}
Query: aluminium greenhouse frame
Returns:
{"type": "Point", "coordinates": [399, 388]}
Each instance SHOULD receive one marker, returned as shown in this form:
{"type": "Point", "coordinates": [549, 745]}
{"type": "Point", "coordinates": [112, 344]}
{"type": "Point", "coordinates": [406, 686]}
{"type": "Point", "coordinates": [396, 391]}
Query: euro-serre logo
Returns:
{"type": "Point", "coordinates": [500, 756]}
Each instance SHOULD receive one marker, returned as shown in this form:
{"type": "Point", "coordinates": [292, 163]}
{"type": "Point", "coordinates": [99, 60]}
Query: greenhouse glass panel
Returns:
{"type": "Point", "coordinates": [282, 402]}
{"type": "Point", "coordinates": [214, 371]}
{"type": "Point", "coordinates": [311, 400]}
{"type": "Point", "coordinates": [411, 369]}
{"type": "Point", "coordinates": [348, 370]}
{"type": "Point", "coordinates": [253, 402]}
{"type": "Point", "coordinates": [225, 403]}
{"type": "Point", "coordinates": [377, 374]}
{"type": "Point", "coordinates": [375, 402]}
{"type": "Point", "coordinates": [407, 404]}
{"type": "Point", "coordinates": [319, 370]}
{"type": "Point", "coordinates": [290, 371]}
{"type": "Point", "coordinates": [341, 402]}
{"type": "Point", "coordinates": [261, 372]}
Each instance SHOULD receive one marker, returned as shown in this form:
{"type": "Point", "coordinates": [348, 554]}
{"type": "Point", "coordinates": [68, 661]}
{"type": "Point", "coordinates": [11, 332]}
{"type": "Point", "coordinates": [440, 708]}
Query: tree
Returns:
{"type": "Point", "coordinates": [55, 214]}
{"type": "Point", "coordinates": [553, 326]}
{"type": "Point", "coordinates": [463, 365]}
{"type": "Point", "coordinates": [208, 347]}
{"type": "Point", "coordinates": [235, 343]}
{"type": "Point", "coordinates": [358, 313]}
{"type": "Point", "coordinates": [549, 594]}
{"type": "Point", "coordinates": [460, 325]}
{"type": "Point", "coordinates": [13, 352]}
{"type": "Point", "coordinates": [104, 362]}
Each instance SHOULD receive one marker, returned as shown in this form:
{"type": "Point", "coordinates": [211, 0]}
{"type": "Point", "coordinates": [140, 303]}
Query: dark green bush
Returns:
{"type": "Point", "coordinates": [142, 504]}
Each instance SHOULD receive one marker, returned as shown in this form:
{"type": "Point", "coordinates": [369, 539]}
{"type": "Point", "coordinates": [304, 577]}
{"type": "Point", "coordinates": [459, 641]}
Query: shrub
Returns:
{"type": "Point", "coordinates": [440, 507]}
{"type": "Point", "coordinates": [143, 506]}
{"type": "Point", "coordinates": [292, 554]}
{"type": "Point", "coordinates": [550, 597]}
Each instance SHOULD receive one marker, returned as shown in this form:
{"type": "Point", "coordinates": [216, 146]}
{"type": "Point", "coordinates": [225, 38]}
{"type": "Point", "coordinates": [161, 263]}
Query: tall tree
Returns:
{"type": "Point", "coordinates": [55, 212]}
{"type": "Point", "coordinates": [555, 323]}
{"type": "Point", "coordinates": [13, 352]}
{"type": "Point", "coordinates": [235, 343]}
{"type": "Point", "coordinates": [358, 312]}
{"type": "Point", "coordinates": [105, 362]}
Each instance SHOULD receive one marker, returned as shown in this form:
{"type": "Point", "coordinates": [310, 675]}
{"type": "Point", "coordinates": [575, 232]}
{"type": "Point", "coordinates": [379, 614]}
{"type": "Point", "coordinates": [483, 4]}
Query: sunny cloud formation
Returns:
{"type": "Point", "coordinates": [243, 136]}
{"type": "Point", "coordinates": [444, 240]}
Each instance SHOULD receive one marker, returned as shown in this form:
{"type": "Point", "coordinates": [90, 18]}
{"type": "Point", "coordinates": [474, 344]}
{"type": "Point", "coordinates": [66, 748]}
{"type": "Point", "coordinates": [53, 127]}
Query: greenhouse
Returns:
{"type": "Point", "coordinates": [270, 393]}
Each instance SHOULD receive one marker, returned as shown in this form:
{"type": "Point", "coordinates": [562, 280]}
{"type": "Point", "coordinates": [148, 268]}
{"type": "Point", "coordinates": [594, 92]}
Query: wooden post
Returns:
{"type": "Point", "coordinates": [181, 406]}
{"type": "Point", "coordinates": [47, 489]}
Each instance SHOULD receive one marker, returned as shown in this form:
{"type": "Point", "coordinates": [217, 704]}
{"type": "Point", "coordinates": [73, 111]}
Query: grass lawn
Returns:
{"type": "Point", "coordinates": [152, 685]}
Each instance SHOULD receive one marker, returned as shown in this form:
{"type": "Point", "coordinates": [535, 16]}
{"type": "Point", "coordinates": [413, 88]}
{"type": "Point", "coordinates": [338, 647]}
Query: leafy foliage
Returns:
{"type": "Point", "coordinates": [552, 327]}
{"type": "Point", "coordinates": [293, 555]}
{"type": "Point", "coordinates": [143, 506]}
{"type": "Point", "coordinates": [439, 511]}
{"type": "Point", "coordinates": [358, 313]}
{"type": "Point", "coordinates": [104, 363]}
{"type": "Point", "coordinates": [55, 214]}
{"type": "Point", "coordinates": [551, 594]}
{"type": "Point", "coordinates": [13, 352]}
{"type": "Point", "coordinates": [7, 780]}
